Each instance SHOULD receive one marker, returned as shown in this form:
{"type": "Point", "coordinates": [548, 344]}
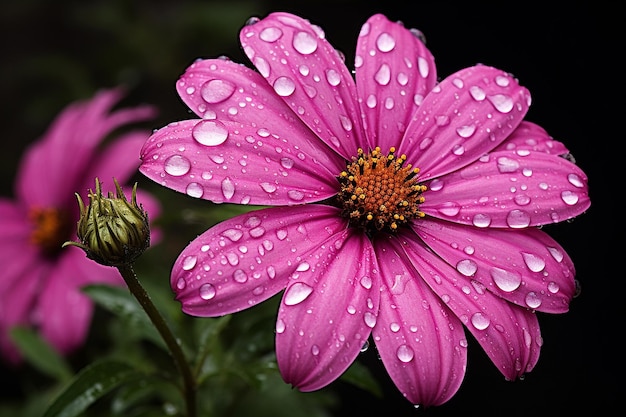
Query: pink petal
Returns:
{"type": "Point", "coordinates": [511, 189]}
{"type": "Point", "coordinates": [422, 346]}
{"type": "Point", "coordinates": [526, 267]}
{"type": "Point", "coordinates": [243, 169]}
{"type": "Point", "coordinates": [394, 72]}
{"type": "Point", "coordinates": [327, 311]}
{"type": "Point", "coordinates": [509, 334]}
{"type": "Point", "coordinates": [468, 114]}
{"type": "Point", "coordinates": [531, 137]}
{"type": "Point", "coordinates": [310, 75]}
{"type": "Point", "coordinates": [249, 258]}
{"type": "Point", "coordinates": [68, 147]}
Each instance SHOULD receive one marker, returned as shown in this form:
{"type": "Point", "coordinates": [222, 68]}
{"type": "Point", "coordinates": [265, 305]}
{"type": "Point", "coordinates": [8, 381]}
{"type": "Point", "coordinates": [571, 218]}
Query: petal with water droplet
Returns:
{"type": "Point", "coordinates": [520, 190]}
{"type": "Point", "coordinates": [412, 73]}
{"type": "Point", "coordinates": [311, 76]}
{"type": "Point", "coordinates": [240, 262]}
{"type": "Point", "coordinates": [509, 334]}
{"type": "Point", "coordinates": [489, 123]}
{"type": "Point", "coordinates": [421, 344]}
{"type": "Point", "coordinates": [327, 312]}
{"type": "Point", "coordinates": [532, 137]}
{"type": "Point", "coordinates": [509, 266]}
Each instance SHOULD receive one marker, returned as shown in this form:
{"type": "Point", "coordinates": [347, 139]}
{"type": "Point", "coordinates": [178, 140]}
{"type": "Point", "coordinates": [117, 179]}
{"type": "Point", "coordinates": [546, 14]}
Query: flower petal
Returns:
{"type": "Point", "coordinates": [67, 148]}
{"type": "Point", "coordinates": [467, 115]}
{"type": "Point", "coordinates": [531, 137]}
{"type": "Point", "coordinates": [525, 267]}
{"type": "Point", "coordinates": [327, 311]}
{"type": "Point", "coordinates": [237, 171]}
{"type": "Point", "coordinates": [422, 346]}
{"type": "Point", "coordinates": [508, 333]}
{"type": "Point", "coordinates": [512, 189]}
{"type": "Point", "coordinates": [63, 311]}
{"type": "Point", "coordinates": [394, 72]}
{"type": "Point", "coordinates": [310, 75]}
{"type": "Point", "coordinates": [249, 258]}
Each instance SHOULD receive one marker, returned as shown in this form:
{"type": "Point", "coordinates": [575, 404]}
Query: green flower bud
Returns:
{"type": "Point", "coordinates": [112, 231]}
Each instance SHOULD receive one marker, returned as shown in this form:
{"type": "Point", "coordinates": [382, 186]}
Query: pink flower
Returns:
{"type": "Point", "coordinates": [404, 208]}
{"type": "Point", "coordinates": [41, 283]}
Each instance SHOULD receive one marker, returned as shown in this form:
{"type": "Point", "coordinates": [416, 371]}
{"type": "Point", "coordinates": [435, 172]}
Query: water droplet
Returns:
{"type": "Point", "coordinates": [575, 180]}
{"type": "Point", "coordinates": [189, 262]}
{"type": "Point", "coordinates": [481, 220]}
{"type": "Point", "coordinates": [271, 34]}
{"type": "Point", "coordinates": [502, 102]}
{"type": "Point", "coordinates": [177, 165]}
{"type": "Point", "coordinates": [268, 187]}
{"type": "Point", "coordinates": [207, 291]}
{"type": "Point", "coordinates": [333, 77]}
{"type": "Point", "coordinates": [385, 42]}
{"type": "Point", "coordinates": [405, 353]}
{"type": "Point", "coordinates": [534, 262]}
{"type": "Point", "coordinates": [280, 326]}
{"type": "Point", "coordinates": [532, 300]}
{"type": "Point", "coordinates": [466, 131]}
{"type": "Point", "coordinates": [216, 91]}
{"type": "Point", "coordinates": [284, 86]}
{"type": "Point", "coordinates": [370, 319]}
{"type": "Point", "coordinates": [383, 75]}
{"type": "Point", "coordinates": [315, 350]}
{"type": "Point", "coordinates": [569, 197]}
{"type": "Point", "coordinates": [506, 165]}
{"type": "Point", "coordinates": [518, 219]}
{"type": "Point", "coordinates": [505, 280]}
{"type": "Point", "coordinates": [467, 267]}
{"type": "Point", "coordinates": [209, 132]}
{"type": "Point", "coordinates": [194, 190]}
{"type": "Point", "coordinates": [295, 195]}
{"type": "Point", "coordinates": [296, 293]}
{"type": "Point", "coordinates": [228, 188]}
{"type": "Point", "coordinates": [479, 321]}
{"type": "Point", "coordinates": [240, 276]}
{"type": "Point", "coordinates": [181, 284]}
{"type": "Point", "coordinates": [304, 43]}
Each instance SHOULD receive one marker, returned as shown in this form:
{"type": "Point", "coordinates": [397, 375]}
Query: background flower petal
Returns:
{"type": "Point", "coordinates": [244, 169]}
{"type": "Point", "coordinates": [394, 71]}
{"type": "Point", "coordinates": [465, 116]}
{"type": "Point", "coordinates": [510, 189]}
{"type": "Point", "coordinates": [310, 75]}
{"type": "Point", "coordinates": [422, 345]}
{"type": "Point", "coordinates": [247, 259]}
{"type": "Point", "coordinates": [526, 267]}
{"type": "Point", "coordinates": [509, 334]}
{"type": "Point", "coordinates": [327, 311]}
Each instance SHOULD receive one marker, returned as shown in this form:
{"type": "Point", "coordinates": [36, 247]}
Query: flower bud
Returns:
{"type": "Point", "coordinates": [112, 231]}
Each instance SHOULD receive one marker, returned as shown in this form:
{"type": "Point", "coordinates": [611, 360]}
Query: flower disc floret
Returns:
{"type": "Point", "coordinates": [379, 192]}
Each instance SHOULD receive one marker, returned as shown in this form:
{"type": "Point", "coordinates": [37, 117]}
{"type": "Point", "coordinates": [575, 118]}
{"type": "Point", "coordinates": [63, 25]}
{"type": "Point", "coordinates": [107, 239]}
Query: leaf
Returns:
{"type": "Point", "coordinates": [40, 354]}
{"type": "Point", "coordinates": [90, 384]}
{"type": "Point", "coordinates": [120, 302]}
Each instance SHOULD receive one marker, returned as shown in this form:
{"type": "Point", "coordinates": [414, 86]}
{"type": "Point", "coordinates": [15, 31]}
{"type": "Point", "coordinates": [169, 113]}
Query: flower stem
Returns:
{"type": "Point", "coordinates": [128, 273]}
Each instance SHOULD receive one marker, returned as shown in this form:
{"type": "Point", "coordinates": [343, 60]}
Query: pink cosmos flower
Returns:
{"type": "Point", "coordinates": [403, 208]}
{"type": "Point", "coordinates": [40, 285]}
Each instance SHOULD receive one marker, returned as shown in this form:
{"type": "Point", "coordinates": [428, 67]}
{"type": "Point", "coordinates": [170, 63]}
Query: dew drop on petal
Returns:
{"type": "Point", "coordinates": [177, 165]}
{"type": "Point", "coordinates": [534, 262]}
{"type": "Point", "coordinates": [216, 91]}
{"type": "Point", "coordinates": [505, 280]}
{"type": "Point", "coordinates": [297, 293]}
{"type": "Point", "coordinates": [280, 326]}
{"type": "Point", "coordinates": [207, 291]}
{"type": "Point", "coordinates": [304, 43]}
{"type": "Point", "coordinates": [189, 262]}
{"type": "Point", "coordinates": [228, 188]}
{"type": "Point", "coordinates": [405, 353]}
{"type": "Point", "coordinates": [502, 102]}
{"type": "Point", "coordinates": [479, 321]}
{"type": "Point", "coordinates": [569, 197]}
{"type": "Point", "coordinates": [518, 219]}
{"type": "Point", "coordinates": [284, 86]}
{"type": "Point", "coordinates": [194, 190]}
{"type": "Point", "coordinates": [370, 319]}
{"type": "Point", "coordinates": [467, 267]}
{"type": "Point", "coordinates": [385, 42]}
{"type": "Point", "coordinates": [209, 132]}
{"type": "Point", "coordinates": [270, 34]}
{"type": "Point", "coordinates": [532, 300]}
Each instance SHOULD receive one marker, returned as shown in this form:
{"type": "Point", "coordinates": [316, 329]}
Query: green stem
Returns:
{"type": "Point", "coordinates": [128, 273]}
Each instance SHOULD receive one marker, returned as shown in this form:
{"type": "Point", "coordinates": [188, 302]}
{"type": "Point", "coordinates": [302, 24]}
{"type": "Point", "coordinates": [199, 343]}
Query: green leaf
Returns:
{"type": "Point", "coordinates": [119, 301]}
{"type": "Point", "coordinates": [90, 384]}
{"type": "Point", "coordinates": [40, 354]}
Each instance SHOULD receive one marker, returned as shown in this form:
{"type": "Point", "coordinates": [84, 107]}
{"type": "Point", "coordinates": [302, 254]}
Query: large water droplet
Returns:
{"type": "Point", "coordinates": [207, 291]}
{"type": "Point", "coordinates": [505, 280]}
{"type": "Point", "coordinates": [284, 86]}
{"type": "Point", "coordinates": [189, 262]}
{"type": "Point", "coordinates": [209, 132]}
{"type": "Point", "coordinates": [271, 34]}
{"type": "Point", "coordinates": [305, 43]}
{"type": "Point", "coordinates": [228, 188]}
{"type": "Point", "coordinates": [177, 165]}
{"type": "Point", "coordinates": [297, 293]}
{"type": "Point", "coordinates": [405, 353]}
{"type": "Point", "coordinates": [216, 91]}
{"type": "Point", "coordinates": [479, 321]}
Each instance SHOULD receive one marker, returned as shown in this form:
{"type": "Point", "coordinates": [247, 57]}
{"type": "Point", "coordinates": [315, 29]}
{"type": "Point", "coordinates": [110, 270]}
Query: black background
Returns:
{"type": "Point", "coordinates": [570, 58]}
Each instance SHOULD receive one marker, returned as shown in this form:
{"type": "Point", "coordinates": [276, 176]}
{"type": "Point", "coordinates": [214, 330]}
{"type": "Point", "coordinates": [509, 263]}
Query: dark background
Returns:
{"type": "Point", "coordinates": [570, 58]}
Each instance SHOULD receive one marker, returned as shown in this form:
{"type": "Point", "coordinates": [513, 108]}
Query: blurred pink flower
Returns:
{"type": "Point", "coordinates": [40, 283]}
{"type": "Point", "coordinates": [409, 256]}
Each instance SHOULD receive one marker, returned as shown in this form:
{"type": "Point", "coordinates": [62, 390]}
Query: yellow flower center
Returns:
{"type": "Point", "coordinates": [379, 192]}
{"type": "Point", "coordinates": [51, 228]}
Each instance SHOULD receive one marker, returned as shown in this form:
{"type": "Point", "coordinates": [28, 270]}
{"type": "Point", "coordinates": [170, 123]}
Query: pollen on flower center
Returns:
{"type": "Point", "coordinates": [51, 228]}
{"type": "Point", "coordinates": [379, 192]}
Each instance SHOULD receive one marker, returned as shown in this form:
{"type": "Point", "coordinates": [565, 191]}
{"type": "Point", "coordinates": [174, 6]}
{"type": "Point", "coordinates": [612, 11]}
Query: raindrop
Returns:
{"type": "Point", "coordinates": [383, 75]}
{"type": "Point", "coordinates": [467, 267]}
{"type": "Point", "coordinates": [189, 262]}
{"type": "Point", "coordinates": [270, 34]}
{"type": "Point", "coordinates": [518, 219]}
{"type": "Point", "coordinates": [305, 43]}
{"type": "Point", "coordinates": [209, 132]}
{"type": "Point", "coordinates": [385, 42]}
{"type": "Point", "coordinates": [532, 300]}
{"type": "Point", "coordinates": [240, 276]}
{"type": "Point", "coordinates": [280, 326]}
{"type": "Point", "coordinates": [295, 195]}
{"type": "Point", "coordinates": [370, 319]}
{"type": "Point", "coordinates": [365, 346]}
{"type": "Point", "coordinates": [216, 91]}
{"type": "Point", "coordinates": [177, 165]}
{"type": "Point", "coordinates": [207, 291]}
{"type": "Point", "coordinates": [297, 293]}
{"type": "Point", "coordinates": [569, 197]}
{"type": "Point", "coordinates": [284, 86]}
{"type": "Point", "coordinates": [481, 220]}
{"type": "Point", "coordinates": [534, 262]}
{"type": "Point", "coordinates": [479, 321]}
{"type": "Point", "coordinates": [405, 353]}
{"type": "Point", "coordinates": [502, 103]}
{"type": "Point", "coordinates": [505, 280]}
{"type": "Point", "coordinates": [228, 188]}
{"type": "Point", "coordinates": [315, 350]}
{"type": "Point", "coordinates": [194, 190]}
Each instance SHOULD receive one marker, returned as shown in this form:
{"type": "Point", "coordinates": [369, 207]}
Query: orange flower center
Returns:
{"type": "Point", "coordinates": [51, 228]}
{"type": "Point", "coordinates": [379, 192]}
